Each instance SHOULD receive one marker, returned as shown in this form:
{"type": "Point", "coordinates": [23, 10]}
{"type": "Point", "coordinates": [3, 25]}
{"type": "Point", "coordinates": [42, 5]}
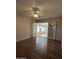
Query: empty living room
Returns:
{"type": "Point", "coordinates": [39, 29]}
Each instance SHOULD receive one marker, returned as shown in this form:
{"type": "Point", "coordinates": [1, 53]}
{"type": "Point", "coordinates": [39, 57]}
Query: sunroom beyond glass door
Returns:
{"type": "Point", "coordinates": [40, 29]}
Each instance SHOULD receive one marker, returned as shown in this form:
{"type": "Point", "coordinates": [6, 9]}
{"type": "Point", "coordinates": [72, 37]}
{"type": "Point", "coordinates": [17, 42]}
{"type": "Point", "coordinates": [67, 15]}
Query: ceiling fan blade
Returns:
{"type": "Point", "coordinates": [26, 9]}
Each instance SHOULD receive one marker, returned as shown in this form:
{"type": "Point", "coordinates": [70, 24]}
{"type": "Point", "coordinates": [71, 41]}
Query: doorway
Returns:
{"type": "Point", "coordinates": [40, 29]}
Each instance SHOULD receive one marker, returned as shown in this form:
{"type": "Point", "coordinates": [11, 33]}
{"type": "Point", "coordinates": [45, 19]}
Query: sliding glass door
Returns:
{"type": "Point", "coordinates": [40, 29]}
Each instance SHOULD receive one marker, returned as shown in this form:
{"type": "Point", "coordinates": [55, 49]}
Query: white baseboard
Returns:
{"type": "Point", "coordinates": [22, 39]}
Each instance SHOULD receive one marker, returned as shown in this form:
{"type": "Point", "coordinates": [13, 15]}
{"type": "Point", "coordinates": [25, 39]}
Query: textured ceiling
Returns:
{"type": "Point", "coordinates": [48, 8]}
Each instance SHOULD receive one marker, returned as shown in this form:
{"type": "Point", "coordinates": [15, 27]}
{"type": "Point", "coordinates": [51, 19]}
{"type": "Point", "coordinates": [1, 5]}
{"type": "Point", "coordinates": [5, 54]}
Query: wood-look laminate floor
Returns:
{"type": "Point", "coordinates": [39, 48]}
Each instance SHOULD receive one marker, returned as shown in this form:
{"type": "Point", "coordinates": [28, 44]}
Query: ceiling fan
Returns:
{"type": "Point", "coordinates": [35, 11]}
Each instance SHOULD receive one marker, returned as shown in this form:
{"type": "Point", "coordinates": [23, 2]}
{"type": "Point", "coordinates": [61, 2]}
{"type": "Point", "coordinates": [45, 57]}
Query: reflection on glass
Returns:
{"type": "Point", "coordinates": [41, 44]}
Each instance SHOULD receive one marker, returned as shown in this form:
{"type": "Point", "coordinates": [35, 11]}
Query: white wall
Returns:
{"type": "Point", "coordinates": [23, 28]}
{"type": "Point", "coordinates": [59, 29]}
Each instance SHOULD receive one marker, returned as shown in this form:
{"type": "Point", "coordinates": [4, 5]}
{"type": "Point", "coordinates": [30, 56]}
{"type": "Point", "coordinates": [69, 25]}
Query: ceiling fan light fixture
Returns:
{"type": "Point", "coordinates": [35, 15]}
